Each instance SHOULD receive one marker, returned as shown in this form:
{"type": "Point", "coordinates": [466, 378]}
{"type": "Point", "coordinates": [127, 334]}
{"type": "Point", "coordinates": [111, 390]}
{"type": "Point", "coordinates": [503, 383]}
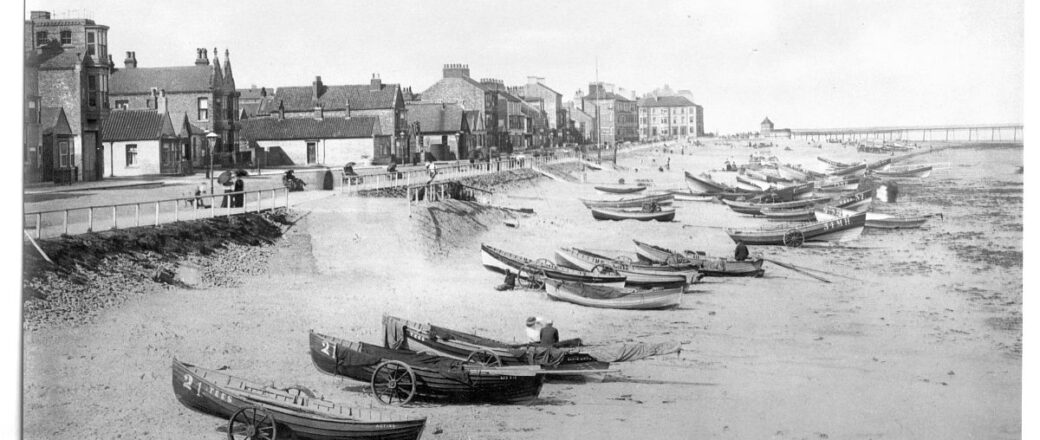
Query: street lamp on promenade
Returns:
{"type": "Point", "coordinates": [211, 139]}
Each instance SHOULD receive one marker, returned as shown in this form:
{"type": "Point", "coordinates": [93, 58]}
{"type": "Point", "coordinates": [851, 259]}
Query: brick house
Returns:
{"type": "Point", "coordinates": [581, 124]}
{"type": "Point", "coordinates": [146, 142]}
{"type": "Point", "coordinates": [443, 129]}
{"type": "Point", "coordinates": [487, 96]}
{"type": "Point", "coordinates": [384, 102]}
{"type": "Point", "coordinates": [67, 66]}
{"type": "Point", "coordinates": [668, 117]}
{"type": "Point", "coordinates": [204, 91]}
{"type": "Point", "coordinates": [551, 104]}
{"type": "Point", "coordinates": [616, 116]}
{"type": "Point", "coordinates": [317, 140]}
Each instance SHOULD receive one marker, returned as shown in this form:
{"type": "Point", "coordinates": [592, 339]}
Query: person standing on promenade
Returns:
{"type": "Point", "coordinates": [238, 198]}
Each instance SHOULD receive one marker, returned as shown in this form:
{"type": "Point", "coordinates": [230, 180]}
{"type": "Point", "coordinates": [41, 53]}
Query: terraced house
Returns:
{"type": "Point", "coordinates": [384, 102]}
{"type": "Point", "coordinates": [67, 67]}
{"type": "Point", "coordinates": [500, 110]}
{"type": "Point", "coordinates": [668, 117]}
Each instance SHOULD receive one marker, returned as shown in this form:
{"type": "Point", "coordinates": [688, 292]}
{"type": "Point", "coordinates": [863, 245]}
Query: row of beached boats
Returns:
{"type": "Point", "coordinates": [656, 207]}
{"type": "Point", "coordinates": [656, 279]}
{"type": "Point", "coordinates": [417, 362]}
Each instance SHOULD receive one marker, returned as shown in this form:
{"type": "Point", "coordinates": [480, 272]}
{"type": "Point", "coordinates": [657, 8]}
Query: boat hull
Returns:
{"type": "Point", "coordinates": [709, 267]}
{"type": "Point", "coordinates": [699, 184]}
{"type": "Point", "coordinates": [660, 199]}
{"type": "Point", "coordinates": [576, 293]}
{"type": "Point", "coordinates": [635, 275]}
{"type": "Point", "coordinates": [457, 384]}
{"type": "Point", "coordinates": [620, 189]}
{"type": "Point", "coordinates": [663, 215]}
{"type": "Point", "coordinates": [839, 229]}
{"type": "Point", "coordinates": [497, 260]}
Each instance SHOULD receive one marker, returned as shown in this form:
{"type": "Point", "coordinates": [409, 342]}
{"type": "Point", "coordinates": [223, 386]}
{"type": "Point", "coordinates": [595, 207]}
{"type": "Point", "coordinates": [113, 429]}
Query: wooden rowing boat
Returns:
{"type": "Point", "coordinates": [636, 275]}
{"type": "Point", "coordinates": [833, 163]}
{"type": "Point", "coordinates": [613, 297]}
{"type": "Point", "coordinates": [704, 184]}
{"type": "Point", "coordinates": [708, 266]}
{"type": "Point", "coordinates": [852, 170]}
{"type": "Point", "coordinates": [399, 333]}
{"type": "Point", "coordinates": [874, 220]}
{"type": "Point", "coordinates": [400, 376]}
{"type": "Point", "coordinates": [620, 189]}
{"type": "Point", "coordinates": [293, 412]}
{"type": "Point", "coordinates": [906, 172]}
{"type": "Point", "coordinates": [837, 230]}
{"type": "Point", "coordinates": [748, 183]}
{"type": "Point", "coordinates": [752, 208]}
{"type": "Point", "coordinates": [661, 215]}
{"type": "Point", "coordinates": [790, 215]}
{"type": "Point", "coordinates": [638, 202]}
{"type": "Point", "coordinates": [690, 196]}
{"type": "Point", "coordinates": [497, 260]}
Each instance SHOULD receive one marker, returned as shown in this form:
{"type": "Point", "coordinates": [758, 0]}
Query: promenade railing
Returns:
{"type": "Point", "coordinates": [71, 221]}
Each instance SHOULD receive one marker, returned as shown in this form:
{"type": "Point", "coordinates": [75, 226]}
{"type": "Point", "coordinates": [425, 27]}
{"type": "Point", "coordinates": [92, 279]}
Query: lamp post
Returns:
{"type": "Point", "coordinates": [211, 139]}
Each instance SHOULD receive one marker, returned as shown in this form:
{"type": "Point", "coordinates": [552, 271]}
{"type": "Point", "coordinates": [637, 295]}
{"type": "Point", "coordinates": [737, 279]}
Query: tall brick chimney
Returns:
{"type": "Point", "coordinates": [131, 60]}
{"type": "Point", "coordinates": [377, 83]}
{"type": "Point", "coordinates": [316, 88]}
{"type": "Point", "coordinates": [201, 59]}
{"type": "Point", "coordinates": [456, 70]}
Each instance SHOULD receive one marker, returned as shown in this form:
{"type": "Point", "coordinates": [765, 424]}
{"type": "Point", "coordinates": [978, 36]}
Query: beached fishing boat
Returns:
{"type": "Point", "coordinates": [879, 164]}
{"type": "Point", "coordinates": [400, 376]}
{"type": "Point", "coordinates": [636, 274]}
{"type": "Point", "coordinates": [790, 215]}
{"type": "Point", "coordinates": [620, 189]}
{"type": "Point", "coordinates": [261, 411]}
{"type": "Point", "coordinates": [833, 163]}
{"type": "Point", "coordinates": [852, 170]}
{"type": "Point", "coordinates": [690, 196]}
{"type": "Point", "coordinates": [906, 172]}
{"type": "Point", "coordinates": [704, 184]}
{"type": "Point", "coordinates": [636, 202]}
{"type": "Point", "coordinates": [838, 185]}
{"type": "Point", "coordinates": [497, 260]}
{"type": "Point", "coordinates": [661, 214]}
{"type": "Point", "coordinates": [708, 266]}
{"type": "Point", "coordinates": [399, 333]}
{"type": "Point", "coordinates": [837, 230]}
{"type": "Point", "coordinates": [752, 208]}
{"type": "Point", "coordinates": [874, 220]}
{"type": "Point", "coordinates": [752, 184]}
{"type": "Point", "coordinates": [613, 297]}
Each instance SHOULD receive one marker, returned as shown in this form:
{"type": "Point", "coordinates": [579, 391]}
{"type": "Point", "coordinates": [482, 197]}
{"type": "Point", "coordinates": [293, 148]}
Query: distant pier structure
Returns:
{"type": "Point", "coordinates": [1005, 133]}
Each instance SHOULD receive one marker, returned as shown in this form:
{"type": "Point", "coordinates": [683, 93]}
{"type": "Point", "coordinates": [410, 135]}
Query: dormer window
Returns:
{"type": "Point", "coordinates": [66, 37]}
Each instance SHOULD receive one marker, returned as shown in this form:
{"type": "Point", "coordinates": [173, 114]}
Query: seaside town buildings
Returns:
{"type": "Point", "coordinates": [67, 68]}
{"type": "Point", "coordinates": [204, 92]}
{"type": "Point", "coordinates": [87, 119]}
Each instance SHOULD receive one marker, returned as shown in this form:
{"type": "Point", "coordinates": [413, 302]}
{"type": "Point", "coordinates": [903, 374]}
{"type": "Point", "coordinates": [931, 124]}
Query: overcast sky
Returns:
{"type": "Point", "coordinates": [801, 63]}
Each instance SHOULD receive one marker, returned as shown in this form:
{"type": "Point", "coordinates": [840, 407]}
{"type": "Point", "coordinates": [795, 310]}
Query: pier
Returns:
{"type": "Point", "coordinates": [952, 133]}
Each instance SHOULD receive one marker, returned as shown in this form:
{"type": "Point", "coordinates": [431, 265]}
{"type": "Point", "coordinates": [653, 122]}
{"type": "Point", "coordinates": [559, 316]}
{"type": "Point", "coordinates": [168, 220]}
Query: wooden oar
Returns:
{"type": "Point", "coordinates": [796, 269]}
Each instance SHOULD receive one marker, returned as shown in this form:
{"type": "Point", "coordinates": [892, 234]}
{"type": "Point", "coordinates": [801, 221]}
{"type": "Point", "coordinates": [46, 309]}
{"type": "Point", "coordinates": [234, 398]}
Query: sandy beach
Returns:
{"type": "Point", "coordinates": [918, 335]}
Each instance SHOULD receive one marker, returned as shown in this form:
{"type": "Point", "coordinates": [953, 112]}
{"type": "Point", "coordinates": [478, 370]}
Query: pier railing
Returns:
{"type": "Point", "coordinates": [54, 223]}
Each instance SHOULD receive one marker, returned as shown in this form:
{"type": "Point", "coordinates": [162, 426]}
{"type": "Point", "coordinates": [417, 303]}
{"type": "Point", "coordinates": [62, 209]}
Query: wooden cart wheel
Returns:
{"type": "Point", "coordinates": [393, 383]}
{"type": "Point", "coordinates": [534, 279]}
{"type": "Point", "coordinates": [484, 357]}
{"type": "Point", "coordinates": [252, 423]}
{"type": "Point", "coordinates": [794, 238]}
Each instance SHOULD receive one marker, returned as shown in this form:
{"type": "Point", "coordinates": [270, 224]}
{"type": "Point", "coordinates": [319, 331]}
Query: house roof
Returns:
{"type": "Point", "coordinates": [767, 121]}
{"type": "Point", "coordinates": [137, 125]}
{"type": "Point", "coordinates": [358, 97]}
{"type": "Point", "coordinates": [666, 101]}
{"type": "Point", "coordinates": [184, 128]}
{"type": "Point", "coordinates": [53, 121]}
{"type": "Point", "coordinates": [436, 118]}
{"type": "Point", "coordinates": [259, 129]}
{"type": "Point", "coordinates": [252, 93]}
{"type": "Point", "coordinates": [171, 79]}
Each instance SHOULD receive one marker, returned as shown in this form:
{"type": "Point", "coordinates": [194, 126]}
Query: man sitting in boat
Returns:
{"type": "Point", "coordinates": [534, 328]}
{"type": "Point", "coordinates": [549, 335]}
{"type": "Point", "coordinates": [651, 207]}
{"type": "Point", "coordinates": [741, 253]}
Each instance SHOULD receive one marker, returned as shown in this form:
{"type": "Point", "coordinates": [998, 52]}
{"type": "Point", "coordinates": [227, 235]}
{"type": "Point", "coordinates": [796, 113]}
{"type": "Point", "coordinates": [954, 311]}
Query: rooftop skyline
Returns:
{"type": "Point", "coordinates": [804, 64]}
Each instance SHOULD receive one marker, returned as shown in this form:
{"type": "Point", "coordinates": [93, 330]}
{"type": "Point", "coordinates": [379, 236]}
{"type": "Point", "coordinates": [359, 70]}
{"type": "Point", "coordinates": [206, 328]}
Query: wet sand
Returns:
{"type": "Point", "coordinates": [917, 336]}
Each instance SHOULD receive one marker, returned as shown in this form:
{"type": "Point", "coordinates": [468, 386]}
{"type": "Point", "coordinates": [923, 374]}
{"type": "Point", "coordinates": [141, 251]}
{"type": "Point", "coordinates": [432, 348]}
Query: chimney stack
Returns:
{"type": "Point", "coordinates": [316, 88]}
{"type": "Point", "coordinates": [131, 60]}
{"type": "Point", "coordinates": [281, 109]}
{"type": "Point", "coordinates": [456, 70]}
{"type": "Point", "coordinates": [201, 59]}
{"type": "Point", "coordinates": [376, 83]}
{"type": "Point", "coordinates": [160, 102]}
